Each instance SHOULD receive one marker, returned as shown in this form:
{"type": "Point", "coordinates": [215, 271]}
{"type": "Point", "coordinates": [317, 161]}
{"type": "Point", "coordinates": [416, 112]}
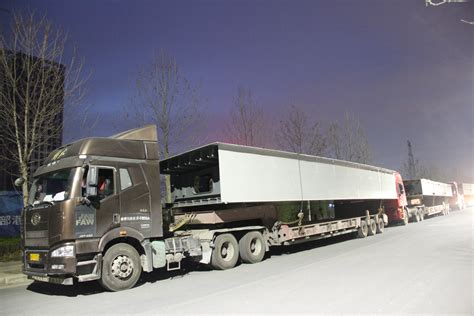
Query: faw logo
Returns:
{"type": "Point", "coordinates": [85, 220]}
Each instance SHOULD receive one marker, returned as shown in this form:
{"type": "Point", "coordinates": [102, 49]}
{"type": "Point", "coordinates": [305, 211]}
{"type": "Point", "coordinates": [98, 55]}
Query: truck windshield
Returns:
{"type": "Point", "coordinates": [51, 187]}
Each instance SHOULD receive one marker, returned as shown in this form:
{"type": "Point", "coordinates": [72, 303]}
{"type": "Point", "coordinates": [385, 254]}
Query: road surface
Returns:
{"type": "Point", "coordinates": [424, 267]}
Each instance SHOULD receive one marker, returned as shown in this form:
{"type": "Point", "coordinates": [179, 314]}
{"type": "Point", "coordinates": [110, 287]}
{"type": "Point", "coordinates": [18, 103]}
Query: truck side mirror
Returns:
{"type": "Point", "coordinates": [91, 189]}
{"type": "Point", "coordinates": [19, 181]}
{"type": "Point", "coordinates": [92, 177]}
{"type": "Point", "coordinates": [400, 188]}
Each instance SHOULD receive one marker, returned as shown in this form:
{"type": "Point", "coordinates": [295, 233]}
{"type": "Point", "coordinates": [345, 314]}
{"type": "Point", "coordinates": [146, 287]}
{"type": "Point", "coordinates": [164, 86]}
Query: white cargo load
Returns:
{"type": "Point", "coordinates": [248, 174]}
{"type": "Point", "coordinates": [427, 187]}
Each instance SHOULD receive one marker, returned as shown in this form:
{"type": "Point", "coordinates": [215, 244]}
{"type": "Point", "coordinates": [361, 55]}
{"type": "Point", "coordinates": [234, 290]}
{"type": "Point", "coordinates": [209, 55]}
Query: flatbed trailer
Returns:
{"type": "Point", "coordinates": [427, 198]}
{"type": "Point", "coordinates": [238, 191]}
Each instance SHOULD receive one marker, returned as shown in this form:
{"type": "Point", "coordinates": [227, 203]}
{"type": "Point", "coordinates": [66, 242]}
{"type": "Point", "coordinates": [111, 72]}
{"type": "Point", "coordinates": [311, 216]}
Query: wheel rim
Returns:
{"type": "Point", "coordinates": [122, 267]}
{"type": "Point", "coordinates": [255, 246]}
{"type": "Point", "coordinates": [227, 251]}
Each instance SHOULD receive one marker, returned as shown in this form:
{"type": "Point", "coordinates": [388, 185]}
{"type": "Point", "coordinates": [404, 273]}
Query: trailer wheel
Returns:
{"type": "Point", "coordinates": [363, 230]}
{"type": "Point", "coordinates": [372, 227]}
{"type": "Point", "coordinates": [380, 226]}
{"type": "Point", "coordinates": [252, 247]}
{"type": "Point", "coordinates": [225, 253]}
{"type": "Point", "coordinates": [405, 217]}
{"type": "Point", "coordinates": [121, 268]}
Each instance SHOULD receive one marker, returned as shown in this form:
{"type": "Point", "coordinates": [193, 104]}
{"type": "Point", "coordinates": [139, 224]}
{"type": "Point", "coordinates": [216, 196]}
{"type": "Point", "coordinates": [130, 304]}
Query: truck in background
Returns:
{"type": "Point", "coordinates": [456, 202]}
{"type": "Point", "coordinates": [396, 210]}
{"type": "Point", "coordinates": [426, 198]}
{"type": "Point", "coordinates": [95, 210]}
{"type": "Point", "coordinates": [467, 190]}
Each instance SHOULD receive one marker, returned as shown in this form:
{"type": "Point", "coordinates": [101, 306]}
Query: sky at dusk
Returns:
{"type": "Point", "coordinates": [405, 69]}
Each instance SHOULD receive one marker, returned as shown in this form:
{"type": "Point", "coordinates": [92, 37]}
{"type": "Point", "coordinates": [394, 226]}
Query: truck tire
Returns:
{"type": "Point", "coordinates": [405, 217]}
{"type": "Point", "coordinates": [121, 268]}
{"type": "Point", "coordinates": [225, 253]}
{"type": "Point", "coordinates": [252, 247]}
{"type": "Point", "coordinates": [372, 227]}
{"type": "Point", "coordinates": [422, 214]}
{"type": "Point", "coordinates": [417, 216]}
{"type": "Point", "coordinates": [363, 230]}
{"type": "Point", "coordinates": [380, 226]}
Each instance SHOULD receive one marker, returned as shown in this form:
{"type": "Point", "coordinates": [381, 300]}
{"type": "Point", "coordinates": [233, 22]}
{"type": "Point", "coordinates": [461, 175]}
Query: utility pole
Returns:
{"type": "Point", "coordinates": [411, 162]}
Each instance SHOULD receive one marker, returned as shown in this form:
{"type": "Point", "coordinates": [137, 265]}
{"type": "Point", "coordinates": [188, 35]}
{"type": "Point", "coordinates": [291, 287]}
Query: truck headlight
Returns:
{"type": "Point", "coordinates": [64, 251]}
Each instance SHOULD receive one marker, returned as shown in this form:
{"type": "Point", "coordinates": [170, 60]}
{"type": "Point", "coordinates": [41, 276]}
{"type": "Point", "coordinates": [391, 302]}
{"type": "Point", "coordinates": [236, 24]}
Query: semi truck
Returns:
{"type": "Point", "coordinates": [456, 202]}
{"type": "Point", "coordinates": [426, 198]}
{"type": "Point", "coordinates": [95, 208]}
{"type": "Point", "coordinates": [467, 190]}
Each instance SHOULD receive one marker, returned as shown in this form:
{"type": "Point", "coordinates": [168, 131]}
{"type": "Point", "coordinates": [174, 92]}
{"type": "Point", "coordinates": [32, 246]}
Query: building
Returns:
{"type": "Point", "coordinates": [43, 71]}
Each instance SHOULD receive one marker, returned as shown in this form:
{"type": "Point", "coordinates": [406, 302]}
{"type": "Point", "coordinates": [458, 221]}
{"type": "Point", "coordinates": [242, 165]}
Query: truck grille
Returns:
{"type": "Point", "coordinates": [38, 238]}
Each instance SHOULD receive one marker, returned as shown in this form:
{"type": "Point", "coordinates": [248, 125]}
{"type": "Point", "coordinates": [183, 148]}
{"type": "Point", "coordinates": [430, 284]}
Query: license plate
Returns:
{"type": "Point", "coordinates": [40, 278]}
{"type": "Point", "coordinates": [34, 257]}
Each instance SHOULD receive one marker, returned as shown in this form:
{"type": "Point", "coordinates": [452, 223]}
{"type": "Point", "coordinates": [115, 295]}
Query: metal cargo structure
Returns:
{"type": "Point", "coordinates": [427, 187]}
{"type": "Point", "coordinates": [226, 173]}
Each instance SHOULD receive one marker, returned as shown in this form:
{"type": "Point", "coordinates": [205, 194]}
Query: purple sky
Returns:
{"type": "Point", "coordinates": [404, 68]}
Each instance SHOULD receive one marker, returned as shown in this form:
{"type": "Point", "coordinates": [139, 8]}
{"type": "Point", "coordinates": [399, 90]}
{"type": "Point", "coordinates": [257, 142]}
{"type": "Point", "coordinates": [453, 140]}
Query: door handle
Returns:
{"type": "Point", "coordinates": [116, 218]}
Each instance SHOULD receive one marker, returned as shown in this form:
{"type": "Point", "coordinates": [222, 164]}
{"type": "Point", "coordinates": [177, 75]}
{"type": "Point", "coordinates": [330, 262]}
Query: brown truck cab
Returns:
{"type": "Point", "coordinates": [95, 202]}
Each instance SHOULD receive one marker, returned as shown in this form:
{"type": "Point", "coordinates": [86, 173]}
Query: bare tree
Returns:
{"type": "Point", "coordinates": [35, 86]}
{"type": "Point", "coordinates": [348, 141]}
{"type": "Point", "coordinates": [247, 124]}
{"type": "Point", "coordinates": [297, 134]}
{"type": "Point", "coordinates": [165, 97]}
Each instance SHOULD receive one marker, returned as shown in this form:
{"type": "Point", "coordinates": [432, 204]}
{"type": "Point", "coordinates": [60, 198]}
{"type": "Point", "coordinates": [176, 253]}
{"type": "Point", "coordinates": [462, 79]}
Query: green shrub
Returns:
{"type": "Point", "coordinates": [10, 248]}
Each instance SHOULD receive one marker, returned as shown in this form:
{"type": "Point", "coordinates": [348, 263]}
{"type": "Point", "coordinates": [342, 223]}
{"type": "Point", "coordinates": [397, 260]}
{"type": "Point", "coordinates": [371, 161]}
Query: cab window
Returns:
{"type": "Point", "coordinates": [125, 180]}
{"type": "Point", "coordinates": [105, 184]}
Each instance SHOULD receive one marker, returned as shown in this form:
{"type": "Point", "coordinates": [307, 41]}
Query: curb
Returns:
{"type": "Point", "coordinates": [11, 275]}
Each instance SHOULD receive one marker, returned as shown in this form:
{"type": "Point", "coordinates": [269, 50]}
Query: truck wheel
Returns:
{"type": "Point", "coordinates": [417, 216]}
{"type": "Point", "coordinates": [121, 268]}
{"type": "Point", "coordinates": [372, 227]}
{"type": "Point", "coordinates": [363, 230]}
{"type": "Point", "coordinates": [225, 253]}
{"type": "Point", "coordinates": [252, 247]}
{"type": "Point", "coordinates": [405, 217]}
{"type": "Point", "coordinates": [380, 226]}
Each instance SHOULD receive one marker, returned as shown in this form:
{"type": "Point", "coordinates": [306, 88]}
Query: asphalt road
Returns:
{"type": "Point", "coordinates": [424, 267]}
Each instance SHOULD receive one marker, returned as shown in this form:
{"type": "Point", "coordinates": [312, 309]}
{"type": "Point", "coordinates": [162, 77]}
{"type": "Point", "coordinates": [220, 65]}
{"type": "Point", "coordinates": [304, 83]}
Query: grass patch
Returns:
{"type": "Point", "coordinates": [10, 249]}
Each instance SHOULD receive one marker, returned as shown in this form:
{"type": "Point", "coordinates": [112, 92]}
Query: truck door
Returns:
{"type": "Point", "coordinates": [108, 208]}
{"type": "Point", "coordinates": [134, 199]}
{"type": "Point", "coordinates": [103, 213]}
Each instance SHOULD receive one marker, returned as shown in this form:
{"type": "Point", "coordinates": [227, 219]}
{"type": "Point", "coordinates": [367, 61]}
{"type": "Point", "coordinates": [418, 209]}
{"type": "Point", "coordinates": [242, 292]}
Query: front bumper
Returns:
{"type": "Point", "coordinates": [42, 277]}
{"type": "Point", "coordinates": [395, 215]}
{"type": "Point", "coordinates": [40, 261]}
{"type": "Point", "coordinates": [39, 265]}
